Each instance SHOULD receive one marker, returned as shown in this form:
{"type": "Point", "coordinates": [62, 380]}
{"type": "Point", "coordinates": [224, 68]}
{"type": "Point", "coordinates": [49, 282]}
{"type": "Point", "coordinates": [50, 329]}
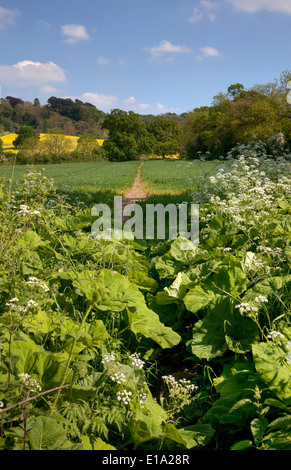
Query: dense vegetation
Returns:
{"type": "Point", "coordinates": [111, 343]}
{"type": "Point", "coordinates": [128, 344]}
{"type": "Point", "coordinates": [239, 115]}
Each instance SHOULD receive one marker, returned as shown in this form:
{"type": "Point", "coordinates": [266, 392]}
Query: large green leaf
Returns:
{"type": "Point", "coordinates": [271, 363]}
{"type": "Point", "coordinates": [47, 434]}
{"type": "Point", "coordinates": [111, 291]}
{"type": "Point", "coordinates": [200, 272]}
{"type": "Point", "coordinates": [167, 266]}
{"type": "Point", "coordinates": [144, 321]}
{"type": "Point", "coordinates": [39, 364]}
{"type": "Point", "coordinates": [223, 328]}
{"type": "Point", "coordinates": [190, 436]}
{"type": "Point", "coordinates": [143, 282]}
{"type": "Point", "coordinates": [147, 422]}
{"type": "Point", "coordinates": [176, 291]}
{"type": "Point", "coordinates": [268, 287]}
{"type": "Point", "coordinates": [236, 389]}
{"type": "Point", "coordinates": [197, 298]}
{"type": "Point", "coordinates": [97, 444]}
{"type": "Point", "coordinates": [231, 280]}
{"type": "Point", "coordinates": [183, 250]}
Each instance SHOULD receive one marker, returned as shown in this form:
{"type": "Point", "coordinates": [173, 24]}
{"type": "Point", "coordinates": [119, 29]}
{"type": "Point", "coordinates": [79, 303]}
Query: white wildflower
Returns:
{"type": "Point", "coordinates": [244, 307]}
{"type": "Point", "coordinates": [32, 303]}
{"type": "Point", "coordinates": [136, 361]}
{"type": "Point", "coordinates": [11, 303]}
{"type": "Point", "coordinates": [118, 377]}
{"type": "Point", "coordinates": [124, 396]}
{"type": "Point", "coordinates": [142, 398]}
{"type": "Point", "coordinates": [30, 383]}
{"type": "Point", "coordinates": [261, 298]}
{"type": "Point", "coordinates": [33, 281]}
{"type": "Point", "coordinates": [275, 334]}
{"type": "Point", "coordinates": [110, 357]}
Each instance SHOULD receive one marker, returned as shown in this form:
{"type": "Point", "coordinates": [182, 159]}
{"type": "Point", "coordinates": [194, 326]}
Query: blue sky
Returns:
{"type": "Point", "coordinates": [149, 56]}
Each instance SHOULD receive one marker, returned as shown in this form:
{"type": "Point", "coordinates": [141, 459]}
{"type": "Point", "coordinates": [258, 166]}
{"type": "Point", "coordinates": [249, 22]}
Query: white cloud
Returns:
{"type": "Point", "coordinates": [44, 24]}
{"type": "Point", "coordinates": [161, 108]}
{"type": "Point", "coordinates": [166, 47]}
{"type": "Point", "coordinates": [252, 6]}
{"type": "Point", "coordinates": [196, 16]}
{"type": "Point", "coordinates": [103, 61]}
{"type": "Point", "coordinates": [28, 73]}
{"type": "Point", "coordinates": [47, 89]}
{"type": "Point", "coordinates": [8, 17]}
{"type": "Point", "coordinates": [101, 101]}
{"type": "Point", "coordinates": [144, 106]}
{"type": "Point", "coordinates": [132, 104]}
{"type": "Point", "coordinates": [130, 100]}
{"type": "Point", "coordinates": [208, 51]}
{"type": "Point", "coordinates": [209, 4]}
{"type": "Point", "coordinates": [75, 33]}
{"type": "Point", "coordinates": [205, 10]}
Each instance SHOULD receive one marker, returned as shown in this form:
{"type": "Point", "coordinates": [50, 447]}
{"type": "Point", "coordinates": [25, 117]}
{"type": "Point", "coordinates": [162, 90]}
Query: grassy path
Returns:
{"type": "Point", "coordinates": [136, 193]}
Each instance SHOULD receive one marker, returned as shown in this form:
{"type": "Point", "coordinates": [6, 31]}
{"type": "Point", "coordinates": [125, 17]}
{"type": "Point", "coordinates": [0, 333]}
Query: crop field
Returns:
{"type": "Point", "coordinates": [163, 180]}
{"type": "Point", "coordinates": [174, 179]}
{"type": "Point", "coordinates": [86, 182]}
{"type": "Point", "coordinates": [127, 344]}
{"type": "Point", "coordinates": [9, 138]}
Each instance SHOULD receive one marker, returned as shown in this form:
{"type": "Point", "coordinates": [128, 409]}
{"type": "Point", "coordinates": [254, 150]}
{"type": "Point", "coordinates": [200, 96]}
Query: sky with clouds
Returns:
{"type": "Point", "coordinates": [149, 56]}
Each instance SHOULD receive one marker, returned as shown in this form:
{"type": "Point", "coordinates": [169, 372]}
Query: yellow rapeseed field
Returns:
{"type": "Point", "coordinates": [9, 138]}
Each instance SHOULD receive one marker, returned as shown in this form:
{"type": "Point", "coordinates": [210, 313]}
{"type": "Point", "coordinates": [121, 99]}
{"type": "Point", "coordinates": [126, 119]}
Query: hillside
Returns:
{"type": "Point", "coordinates": [238, 116]}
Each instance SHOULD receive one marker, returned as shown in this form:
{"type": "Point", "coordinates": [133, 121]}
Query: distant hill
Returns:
{"type": "Point", "coordinates": [60, 115]}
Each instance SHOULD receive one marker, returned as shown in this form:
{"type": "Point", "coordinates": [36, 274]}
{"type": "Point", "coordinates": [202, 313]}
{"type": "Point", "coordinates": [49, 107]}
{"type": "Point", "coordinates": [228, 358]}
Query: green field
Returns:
{"type": "Point", "coordinates": [87, 182]}
{"type": "Point", "coordinates": [175, 177]}
{"type": "Point", "coordinates": [164, 180]}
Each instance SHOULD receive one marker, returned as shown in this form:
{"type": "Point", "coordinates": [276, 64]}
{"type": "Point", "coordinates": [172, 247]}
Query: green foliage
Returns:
{"type": "Point", "coordinates": [165, 134]}
{"type": "Point", "coordinates": [128, 137]}
{"type": "Point", "coordinates": [238, 116]}
{"type": "Point", "coordinates": [88, 146]}
{"type": "Point", "coordinates": [26, 135]}
{"type": "Point", "coordinates": [139, 344]}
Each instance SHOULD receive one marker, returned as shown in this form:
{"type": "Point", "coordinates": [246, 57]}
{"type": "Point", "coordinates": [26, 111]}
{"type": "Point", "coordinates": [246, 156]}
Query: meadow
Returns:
{"type": "Point", "coordinates": [82, 182]}
{"type": "Point", "coordinates": [118, 344]}
{"type": "Point", "coordinates": [163, 180]}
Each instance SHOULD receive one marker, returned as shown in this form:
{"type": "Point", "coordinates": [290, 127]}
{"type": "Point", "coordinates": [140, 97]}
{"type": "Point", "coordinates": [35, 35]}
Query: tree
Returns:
{"type": "Point", "coordinates": [165, 134]}
{"type": "Point", "coordinates": [122, 148]}
{"type": "Point", "coordinates": [128, 137]}
{"type": "Point", "coordinates": [25, 133]}
{"type": "Point", "coordinates": [218, 128]}
{"type": "Point", "coordinates": [1, 146]}
{"type": "Point", "coordinates": [60, 105]}
{"type": "Point", "coordinates": [56, 144]}
{"type": "Point", "coordinates": [88, 145]}
{"type": "Point", "coordinates": [235, 90]}
{"type": "Point", "coordinates": [14, 101]}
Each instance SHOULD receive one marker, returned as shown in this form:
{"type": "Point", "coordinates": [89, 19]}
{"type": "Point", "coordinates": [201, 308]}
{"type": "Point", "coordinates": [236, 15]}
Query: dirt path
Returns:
{"type": "Point", "coordinates": [136, 193]}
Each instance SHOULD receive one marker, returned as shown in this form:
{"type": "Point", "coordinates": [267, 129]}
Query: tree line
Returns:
{"type": "Point", "coordinates": [238, 115]}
